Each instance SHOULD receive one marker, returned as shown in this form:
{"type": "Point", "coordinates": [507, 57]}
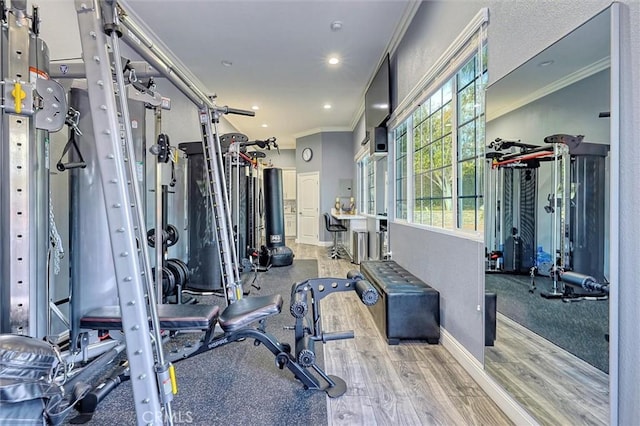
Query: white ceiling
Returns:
{"type": "Point", "coordinates": [579, 54]}
{"type": "Point", "coordinates": [279, 52]}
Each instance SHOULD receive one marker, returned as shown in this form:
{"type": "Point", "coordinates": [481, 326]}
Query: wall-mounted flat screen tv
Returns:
{"type": "Point", "coordinates": [377, 97]}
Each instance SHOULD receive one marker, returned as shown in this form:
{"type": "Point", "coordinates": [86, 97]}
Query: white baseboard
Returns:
{"type": "Point", "coordinates": [507, 404]}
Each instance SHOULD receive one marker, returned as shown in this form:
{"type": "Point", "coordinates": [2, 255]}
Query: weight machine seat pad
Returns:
{"type": "Point", "coordinates": [172, 317]}
{"type": "Point", "coordinates": [248, 310]}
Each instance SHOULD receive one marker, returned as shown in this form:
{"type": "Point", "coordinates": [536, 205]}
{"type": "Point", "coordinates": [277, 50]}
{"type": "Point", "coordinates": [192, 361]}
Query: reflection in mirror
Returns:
{"type": "Point", "coordinates": [546, 228]}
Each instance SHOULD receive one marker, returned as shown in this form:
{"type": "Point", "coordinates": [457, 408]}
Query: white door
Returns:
{"type": "Point", "coordinates": [308, 208]}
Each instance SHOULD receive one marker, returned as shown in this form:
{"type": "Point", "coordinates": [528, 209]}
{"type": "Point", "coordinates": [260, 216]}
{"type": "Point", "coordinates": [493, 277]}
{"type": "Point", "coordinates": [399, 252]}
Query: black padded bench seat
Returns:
{"type": "Point", "coordinates": [245, 311]}
{"type": "Point", "coordinates": [172, 317]}
{"type": "Point", "coordinates": [408, 308]}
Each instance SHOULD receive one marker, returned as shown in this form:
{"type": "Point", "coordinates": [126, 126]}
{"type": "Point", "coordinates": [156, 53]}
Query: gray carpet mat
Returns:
{"type": "Point", "coordinates": [237, 384]}
{"type": "Point", "coordinates": [577, 327]}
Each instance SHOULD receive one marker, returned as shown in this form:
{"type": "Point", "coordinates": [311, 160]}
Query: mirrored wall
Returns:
{"type": "Point", "coordinates": [546, 229]}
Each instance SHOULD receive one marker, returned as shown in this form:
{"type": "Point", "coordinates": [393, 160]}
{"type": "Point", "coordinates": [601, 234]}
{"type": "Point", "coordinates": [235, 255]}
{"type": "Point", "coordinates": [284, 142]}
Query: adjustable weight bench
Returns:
{"type": "Point", "coordinates": [237, 319]}
{"type": "Point", "coordinates": [172, 317]}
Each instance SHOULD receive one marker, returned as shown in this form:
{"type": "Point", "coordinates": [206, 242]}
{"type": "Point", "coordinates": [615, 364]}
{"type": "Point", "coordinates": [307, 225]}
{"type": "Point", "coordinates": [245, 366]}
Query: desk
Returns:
{"type": "Point", "coordinates": [352, 222]}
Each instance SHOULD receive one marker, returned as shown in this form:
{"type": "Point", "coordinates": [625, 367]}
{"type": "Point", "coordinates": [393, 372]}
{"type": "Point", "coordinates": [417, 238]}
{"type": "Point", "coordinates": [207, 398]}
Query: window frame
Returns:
{"type": "Point", "coordinates": [455, 216]}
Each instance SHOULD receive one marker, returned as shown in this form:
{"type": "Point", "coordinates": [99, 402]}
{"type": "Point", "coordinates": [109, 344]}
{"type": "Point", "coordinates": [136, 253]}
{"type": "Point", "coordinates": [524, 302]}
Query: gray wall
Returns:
{"type": "Point", "coordinates": [285, 159]}
{"type": "Point", "coordinates": [337, 164]}
{"type": "Point", "coordinates": [450, 264]}
{"type": "Point", "coordinates": [538, 25]}
{"type": "Point", "coordinates": [333, 159]}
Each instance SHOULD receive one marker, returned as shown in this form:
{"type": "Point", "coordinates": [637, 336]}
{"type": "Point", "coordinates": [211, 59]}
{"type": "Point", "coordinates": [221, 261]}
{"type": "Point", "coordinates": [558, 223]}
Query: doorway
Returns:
{"type": "Point", "coordinates": [308, 207]}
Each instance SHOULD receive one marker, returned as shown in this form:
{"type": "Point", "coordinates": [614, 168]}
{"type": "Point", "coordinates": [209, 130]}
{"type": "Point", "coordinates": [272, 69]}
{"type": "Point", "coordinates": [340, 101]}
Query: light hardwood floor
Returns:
{"type": "Point", "coordinates": [413, 383]}
{"type": "Point", "coordinates": [556, 387]}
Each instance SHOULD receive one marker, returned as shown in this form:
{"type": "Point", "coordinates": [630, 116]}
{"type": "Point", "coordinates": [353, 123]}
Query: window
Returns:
{"type": "Point", "coordinates": [443, 140]}
{"type": "Point", "coordinates": [432, 147]}
{"type": "Point", "coordinates": [371, 186]}
{"type": "Point", "coordinates": [366, 185]}
{"type": "Point", "coordinates": [362, 190]}
{"type": "Point", "coordinates": [401, 170]}
{"type": "Point", "coordinates": [471, 80]}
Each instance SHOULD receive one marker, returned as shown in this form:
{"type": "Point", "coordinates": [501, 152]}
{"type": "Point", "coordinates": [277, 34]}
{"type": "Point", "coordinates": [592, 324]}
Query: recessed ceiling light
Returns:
{"type": "Point", "coordinates": [327, 106]}
{"type": "Point", "coordinates": [334, 60]}
{"type": "Point", "coordinates": [545, 63]}
{"type": "Point", "coordinates": [336, 26]}
{"type": "Point", "coordinates": [265, 125]}
{"type": "Point", "coordinates": [226, 63]}
{"type": "Point", "coordinates": [255, 107]}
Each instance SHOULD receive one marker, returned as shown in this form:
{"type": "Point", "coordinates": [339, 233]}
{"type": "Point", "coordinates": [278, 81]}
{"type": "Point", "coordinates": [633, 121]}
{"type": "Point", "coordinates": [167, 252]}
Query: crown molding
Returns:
{"type": "Point", "coordinates": [322, 130]}
{"type": "Point", "coordinates": [568, 80]}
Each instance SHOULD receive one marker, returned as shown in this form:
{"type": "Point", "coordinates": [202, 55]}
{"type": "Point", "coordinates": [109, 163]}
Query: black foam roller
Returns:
{"type": "Point", "coordinates": [367, 293]}
{"type": "Point", "coordinates": [305, 350]}
{"type": "Point", "coordinates": [354, 274]}
{"type": "Point", "coordinates": [299, 307]}
{"type": "Point", "coordinates": [274, 207]}
{"type": "Point", "coordinates": [576, 279]}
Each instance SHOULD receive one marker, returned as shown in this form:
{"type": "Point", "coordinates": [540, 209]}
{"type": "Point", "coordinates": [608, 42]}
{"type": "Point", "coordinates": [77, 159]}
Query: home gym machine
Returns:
{"type": "Point", "coordinates": [243, 175]}
{"type": "Point", "coordinates": [246, 319]}
{"type": "Point", "coordinates": [514, 177]}
{"type": "Point", "coordinates": [576, 203]}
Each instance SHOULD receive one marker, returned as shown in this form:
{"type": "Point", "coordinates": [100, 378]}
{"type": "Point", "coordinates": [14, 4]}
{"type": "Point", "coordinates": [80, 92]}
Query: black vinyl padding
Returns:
{"type": "Point", "coordinates": [248, 310]}
{"type": "Point", "coordinates": [172, 317]}
{"type": "Point", "coordinates": [408, 308]}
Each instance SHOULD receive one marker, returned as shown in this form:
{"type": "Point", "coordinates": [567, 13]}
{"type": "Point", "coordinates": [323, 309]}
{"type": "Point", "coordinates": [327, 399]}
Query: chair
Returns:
{"type": "Point", "coordinates": [333, 228]}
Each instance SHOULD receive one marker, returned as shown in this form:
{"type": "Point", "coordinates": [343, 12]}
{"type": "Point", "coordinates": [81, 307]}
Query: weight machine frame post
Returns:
{"type": "Point", "coordinates": [25, 216]}
{"type": "Point", "coordinates": [554, 293]}
{"type": "Point", "coordinates": [159, 246]}
{"type": "Point", "coordinates": [219, 204]}
{"type": "Point", "coordinates": [121, 221]}
{"type": "Point", "coordinates": [565, 208]}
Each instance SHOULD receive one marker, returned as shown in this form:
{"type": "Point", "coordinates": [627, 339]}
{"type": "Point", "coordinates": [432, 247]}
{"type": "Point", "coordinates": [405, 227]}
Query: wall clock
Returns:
{"type": "Point", "coordinates": [307, 153]}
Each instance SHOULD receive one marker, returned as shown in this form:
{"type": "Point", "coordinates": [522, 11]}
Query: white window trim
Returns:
{"type": "Point", "coordinates": [446, 67]}
{"type": "Point", "coordinates": [446, 64]}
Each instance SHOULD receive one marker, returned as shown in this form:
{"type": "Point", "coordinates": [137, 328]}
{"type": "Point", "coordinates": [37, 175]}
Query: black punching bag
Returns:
{"type": "Point", "coordinates": [274, 207]}
{"type": "Point", "coordinates": [279, 254]}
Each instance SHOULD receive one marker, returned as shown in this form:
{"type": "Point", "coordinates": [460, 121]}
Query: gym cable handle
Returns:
{"type": "Point", "coordinates": [367, 292]}
{"type": "Point", "coordinates": [62, 166]}
{"type": "Point", "coordinates": [236, 111]}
